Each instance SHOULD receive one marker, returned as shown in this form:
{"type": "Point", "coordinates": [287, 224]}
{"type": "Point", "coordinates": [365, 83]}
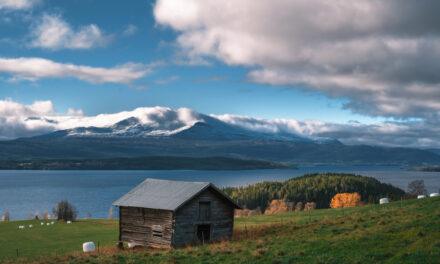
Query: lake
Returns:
{"type": "Point", "coordinates": [23, 192]}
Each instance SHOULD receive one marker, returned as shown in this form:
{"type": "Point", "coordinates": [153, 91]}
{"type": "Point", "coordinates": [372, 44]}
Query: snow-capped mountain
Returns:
{"type": "Point", "coordinates": [197, 127]}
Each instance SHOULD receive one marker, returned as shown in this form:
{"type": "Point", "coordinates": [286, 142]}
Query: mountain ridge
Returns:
{"type": "Point", "coordinates": [203, 136]}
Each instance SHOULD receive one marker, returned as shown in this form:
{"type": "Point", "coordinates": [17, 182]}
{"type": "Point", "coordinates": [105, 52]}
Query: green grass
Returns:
{"type": "Point", "coordinates": [57, 239]}
{"type": "Point", "coordinates": [407, 232]}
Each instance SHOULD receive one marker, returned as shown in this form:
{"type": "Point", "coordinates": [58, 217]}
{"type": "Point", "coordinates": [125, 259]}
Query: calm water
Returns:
{"type": "Point", "coordinates": [94, 191]}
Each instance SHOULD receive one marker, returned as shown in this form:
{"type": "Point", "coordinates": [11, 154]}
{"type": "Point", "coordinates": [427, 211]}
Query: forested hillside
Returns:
{"type": "Point", "coordinates": [318, 188]}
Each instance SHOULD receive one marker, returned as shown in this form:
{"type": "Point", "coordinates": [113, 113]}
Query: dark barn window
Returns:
{"type": "Point", "coordinates": [157, 231]}
{"type": "Point", "coordinates": [204, 211]}
{"type": "Point", "coordinates": [204, 233]}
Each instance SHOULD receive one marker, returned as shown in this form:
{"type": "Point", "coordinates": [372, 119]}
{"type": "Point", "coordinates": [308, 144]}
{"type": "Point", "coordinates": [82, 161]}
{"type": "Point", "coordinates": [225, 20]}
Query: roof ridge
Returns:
{"type": "Point", "coordinates": [156, 179]}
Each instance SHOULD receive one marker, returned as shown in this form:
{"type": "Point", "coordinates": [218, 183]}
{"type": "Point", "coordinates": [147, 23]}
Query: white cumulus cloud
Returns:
{"type": "Point", "coordinates": [38, 68]}
{"type": "Point", "coordinates": [17, 4]}
{"type": "Point", "coordinates": [52, 32]}
{"type": "Point", "coordinates": [383, 56]}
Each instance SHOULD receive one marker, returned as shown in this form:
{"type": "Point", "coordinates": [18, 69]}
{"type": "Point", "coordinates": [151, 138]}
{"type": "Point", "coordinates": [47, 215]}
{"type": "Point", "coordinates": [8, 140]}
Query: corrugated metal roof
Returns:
{"type": "Point", "coordinates": [164, 194]}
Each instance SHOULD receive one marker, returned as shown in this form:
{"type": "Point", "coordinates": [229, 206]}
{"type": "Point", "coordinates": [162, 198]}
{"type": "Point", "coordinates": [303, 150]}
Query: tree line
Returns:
{"type": "Point", "coordinates": [319, 188]}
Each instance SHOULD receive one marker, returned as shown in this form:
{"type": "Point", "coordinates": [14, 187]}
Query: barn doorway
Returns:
{"type": "Point", "coordinates": [204, 233]}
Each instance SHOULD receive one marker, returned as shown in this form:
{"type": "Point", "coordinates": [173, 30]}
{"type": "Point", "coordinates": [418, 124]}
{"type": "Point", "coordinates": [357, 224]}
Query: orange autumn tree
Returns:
{"type": "Point", "coordinates": [342, 200]}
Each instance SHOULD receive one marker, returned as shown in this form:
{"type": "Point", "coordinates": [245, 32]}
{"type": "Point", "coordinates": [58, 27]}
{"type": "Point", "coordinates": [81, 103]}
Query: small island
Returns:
{"type": "Point", "coordinates": [427, 168]}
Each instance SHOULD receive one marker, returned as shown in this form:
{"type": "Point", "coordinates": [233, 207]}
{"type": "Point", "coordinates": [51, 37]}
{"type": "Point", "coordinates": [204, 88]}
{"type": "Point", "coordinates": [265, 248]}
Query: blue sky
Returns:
{"type": "Point", "coordinates": [363, 72]}
{"type": "Point", "coordinates": [170, 84]}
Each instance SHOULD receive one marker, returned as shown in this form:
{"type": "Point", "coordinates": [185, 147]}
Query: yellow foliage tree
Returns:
{"type": "Point", "coordinates": [342, 200]}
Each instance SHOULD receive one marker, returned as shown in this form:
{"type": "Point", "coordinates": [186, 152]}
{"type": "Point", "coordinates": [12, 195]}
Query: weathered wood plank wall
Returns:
{"type": "Point", "coordinates": [187, 218]}
{"type": "Point", "coordinates": [137, 224]}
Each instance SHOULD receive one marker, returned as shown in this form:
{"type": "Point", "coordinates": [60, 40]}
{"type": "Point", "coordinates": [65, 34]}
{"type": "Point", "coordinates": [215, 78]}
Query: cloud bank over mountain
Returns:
{"type": "Point", "coordinates": [19, 120]}
{"type": "Point", "coordinates": [382, 56]}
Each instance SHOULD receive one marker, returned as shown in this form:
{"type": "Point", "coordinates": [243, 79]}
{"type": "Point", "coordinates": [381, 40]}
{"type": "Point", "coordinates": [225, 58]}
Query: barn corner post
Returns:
{"type": "Point", "coordinates": [173, 243]}
{"type": "Point", "coordinates": [120, 244]}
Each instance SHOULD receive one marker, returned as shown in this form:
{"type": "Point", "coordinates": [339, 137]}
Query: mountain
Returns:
{"type": "Point", "coordinates": [435, 151]}
{"type": "Point", "coordinates": [201, 136]}
{"type": "Point", "coordinates": [208, 128]}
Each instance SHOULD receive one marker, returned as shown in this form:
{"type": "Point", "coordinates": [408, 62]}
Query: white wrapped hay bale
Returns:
{"type": "Point", "coordinates": [21, 227]}
{"type": "Point", "coordinates": [52, 222]}
{"type": "Point", "coordinates": [42, 224]}
{"type": "Point", "coordinates": [421, 196]}
{"type": "Point", "coordinates": [434, 195]}
{"type": "Point", "coordinates": [69, 222]}
{"type": "Point", "coordinates": [384, 201]}
{"type": "Point", "coordinates": [131, 245]}
{"type": "Point", "coordinates": [88, 246]}
{"type": "Point", "coordinates": [48, 224]}
{"type": "Point", "coordinates": [30, 226]}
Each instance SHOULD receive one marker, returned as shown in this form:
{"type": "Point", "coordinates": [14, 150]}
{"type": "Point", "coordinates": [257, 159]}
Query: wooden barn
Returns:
{"type": "Point", "coordinates": [161, 213]}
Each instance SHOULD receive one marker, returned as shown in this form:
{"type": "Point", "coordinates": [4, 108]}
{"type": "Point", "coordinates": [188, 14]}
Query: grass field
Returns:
{"type": "Point", "coordinates": [399, 232]}
{"type": "Point", "coordinates": [57, 239]}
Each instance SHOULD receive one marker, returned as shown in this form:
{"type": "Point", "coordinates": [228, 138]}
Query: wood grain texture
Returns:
{"type": "Point", "coordinates": [164, 229]}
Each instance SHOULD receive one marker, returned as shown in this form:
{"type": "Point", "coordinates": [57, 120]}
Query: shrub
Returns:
{"type": "Point", "coordinates": [310, 206]}
{"type": "Point", "coordinates": [7, 216]}
{"type": "Point", "coordinates": [417, 187]}
{"type": "Point", "coordinates": [46, 215]}
{"type": "Point", "coordinates": [299, 206]}
{"type": "Point", "coordinates": [65, 211]}
{"type": "Point", "coordinates": [279, 206]}
{"type": "Point", "coordinates": [342, 200]}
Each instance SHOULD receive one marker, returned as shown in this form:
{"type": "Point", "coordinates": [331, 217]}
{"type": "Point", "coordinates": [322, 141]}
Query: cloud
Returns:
{"type": "Point", "coordinates": [8, 108]}
{"type": "Point", "coordinates": [417, 134]}
{"type": "Point", "coordinates": [52, 32]}
{"type": "Point", "coordinates": [382, 56]}
{"type": "Point", "coordinates": [38, 68]}
{"type": "Point", "coordinates": [19, 120]}
{"type": "Point", "coordinates": [17, 4]}
{"type": "Point", "coordinates": [212, 79]}
{"type": "Point", "coordinates": [167, 80]}
{"type": "Point", "coordinates": [130, 30]}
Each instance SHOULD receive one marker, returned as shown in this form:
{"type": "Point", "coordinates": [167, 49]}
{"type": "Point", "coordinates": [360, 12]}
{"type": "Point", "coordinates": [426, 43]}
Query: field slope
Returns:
{"type": "Point", "coordinates": [399, 232]}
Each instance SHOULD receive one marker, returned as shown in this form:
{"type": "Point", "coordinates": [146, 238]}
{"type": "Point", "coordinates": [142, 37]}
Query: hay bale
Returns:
{"type": "Point", "coordinates": [421, 196]}
{"type": "Point", "coordinates": [383, 201]}
{"type": "Point", "coordinates": [88, 246]}
{"type": "Point", "coordinates": [131, 245]}
{"type": "Point", "coordinates": [30, 226]}
{"type": "Point", "coordinates": [434, 195]}
{"type": "Point", "coordinates": [69, 222]}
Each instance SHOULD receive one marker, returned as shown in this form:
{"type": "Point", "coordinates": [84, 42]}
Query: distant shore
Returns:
{"type": "Point", "coordinates": [427, 169]}
{"type": "Point", "coordinates": [144, 163]}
